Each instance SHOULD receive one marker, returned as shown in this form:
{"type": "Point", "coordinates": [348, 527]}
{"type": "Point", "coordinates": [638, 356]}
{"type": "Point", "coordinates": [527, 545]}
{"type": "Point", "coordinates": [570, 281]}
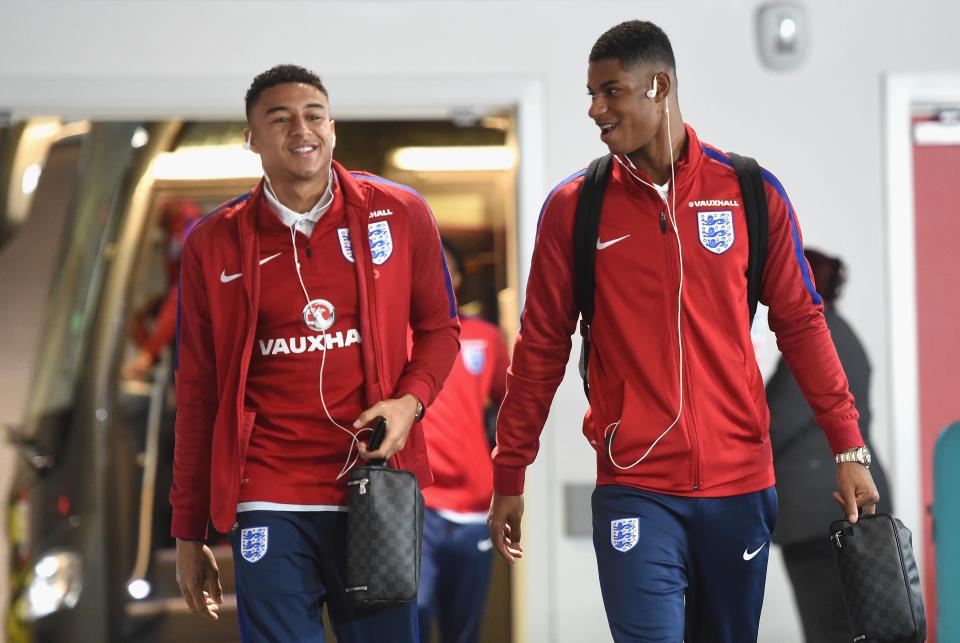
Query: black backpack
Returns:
{"type": "Point", "coordinates": [586, 229]}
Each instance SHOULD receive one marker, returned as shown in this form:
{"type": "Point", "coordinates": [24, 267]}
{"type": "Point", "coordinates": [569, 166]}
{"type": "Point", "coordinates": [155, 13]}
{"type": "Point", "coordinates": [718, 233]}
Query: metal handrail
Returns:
{"type": "Point", "coordinates": [161, 375]}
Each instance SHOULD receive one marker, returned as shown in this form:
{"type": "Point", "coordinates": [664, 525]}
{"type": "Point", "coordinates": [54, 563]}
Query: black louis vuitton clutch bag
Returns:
{"type": "Point", "coordinates": [879, 580]}
{"type": "Point", "coordinates": [384, 533]}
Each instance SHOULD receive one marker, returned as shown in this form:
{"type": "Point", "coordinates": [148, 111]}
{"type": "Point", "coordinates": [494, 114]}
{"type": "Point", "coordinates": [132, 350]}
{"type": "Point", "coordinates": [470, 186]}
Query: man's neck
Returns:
{"type": "Point", "coordinates": [654, 160]}
{"type": "Point", "coordinates": [300, 196]}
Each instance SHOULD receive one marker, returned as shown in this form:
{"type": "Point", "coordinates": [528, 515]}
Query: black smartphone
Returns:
{"type": "Point", "coordinates": [379, 431]}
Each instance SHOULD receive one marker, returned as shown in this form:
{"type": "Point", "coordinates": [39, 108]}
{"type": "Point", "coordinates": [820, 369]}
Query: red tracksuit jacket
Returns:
{"type": "Point", "coordinates": [218, 321]}
{"type": "Point", "coordinates": [720, 446]}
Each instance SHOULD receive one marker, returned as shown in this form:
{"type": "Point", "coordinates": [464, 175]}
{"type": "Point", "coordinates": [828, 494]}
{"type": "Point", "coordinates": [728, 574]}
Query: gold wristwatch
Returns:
{"type": "Point", "coordinates": [860, 454]}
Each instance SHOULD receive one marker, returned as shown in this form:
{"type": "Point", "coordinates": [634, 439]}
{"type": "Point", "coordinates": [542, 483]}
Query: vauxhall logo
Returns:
{"type": "Point", "coordinates": [308, 344]}
{"type": "Point", "coordinates": [714, 203]}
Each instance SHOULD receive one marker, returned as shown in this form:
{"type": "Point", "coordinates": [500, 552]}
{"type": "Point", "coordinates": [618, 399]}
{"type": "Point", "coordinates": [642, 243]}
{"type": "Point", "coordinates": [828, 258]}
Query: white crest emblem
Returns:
{"type": "Point", "coordinates": [345, 247]}
{"type": "Point", "coordinates": [716, 230]}
{"type": "Point", "coordinates": [381, 242]}
{"type": "Point", "coordinates": [319, 315]}
{"type": "Point", "coordinates": [473, 352]}
{"type": "Point", "coordinates": [253, 543]}
{"type": "Point", "coordinates": [624, 533]}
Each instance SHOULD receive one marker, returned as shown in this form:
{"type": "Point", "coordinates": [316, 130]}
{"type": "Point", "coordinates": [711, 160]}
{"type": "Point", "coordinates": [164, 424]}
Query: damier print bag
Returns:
{"type": "Point", "coordinates": [384, 533]}
{"type": "Point", "coordinates": [879, 580]}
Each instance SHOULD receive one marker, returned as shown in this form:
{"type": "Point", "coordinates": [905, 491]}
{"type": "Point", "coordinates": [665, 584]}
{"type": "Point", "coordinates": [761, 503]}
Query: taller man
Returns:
{"type": "Point", "coordinates": [295, 304]}
{"type": "Point", "coordinates": [684, 504]}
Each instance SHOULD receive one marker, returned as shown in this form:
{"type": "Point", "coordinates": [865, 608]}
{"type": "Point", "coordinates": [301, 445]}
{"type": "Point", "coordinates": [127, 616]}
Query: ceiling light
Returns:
{"type": "Point", "coordinates": [205, 163]}
{"type": "Point", "coordinates": [453, 158]}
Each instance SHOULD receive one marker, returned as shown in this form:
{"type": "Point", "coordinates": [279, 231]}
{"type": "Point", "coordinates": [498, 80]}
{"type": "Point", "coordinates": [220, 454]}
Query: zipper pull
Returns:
{"type": "Point", "coordinates": [363, 486]}
{"type": "Point", "coordinates": [308, 250]}
{"type": "Point", "coordinates": [836, 538]}
{"type": "Point", "coordinates": [663, 222]}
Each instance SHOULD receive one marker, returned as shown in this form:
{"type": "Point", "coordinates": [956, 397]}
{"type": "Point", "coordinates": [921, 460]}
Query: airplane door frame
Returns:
{"type": "Point", "coordinates": [361, 97]}
{"type": "Point", "coordinates": [902, 92]}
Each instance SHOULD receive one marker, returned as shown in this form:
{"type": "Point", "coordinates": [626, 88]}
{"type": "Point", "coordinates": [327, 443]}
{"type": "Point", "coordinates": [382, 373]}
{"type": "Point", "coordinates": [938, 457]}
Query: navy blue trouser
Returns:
{"type": "Point", "coordinates": [454, 575]}
{"type": "Point", "coordinates": [287, 565]}
{"type": "Point", "coordinates": [678, 569]}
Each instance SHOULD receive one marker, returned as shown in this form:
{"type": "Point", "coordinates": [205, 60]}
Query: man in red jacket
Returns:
{"type": "Point", "coordinates": [296, 300]}
{"type": "Point", "coordinates": [684, 504]}
{"type": "Point", "coordinates": [457, 552]}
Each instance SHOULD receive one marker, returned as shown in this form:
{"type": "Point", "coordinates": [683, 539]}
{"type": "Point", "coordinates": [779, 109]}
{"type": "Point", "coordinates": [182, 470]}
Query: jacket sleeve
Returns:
{"type": "Point", "coordinates": [796, 316]}
{"type": "Point", "coordinates": [433, 311]}
{"type": "Point", "coordinates": [501, 360]}
{"type": "Point", "coordinates": [542, 347]}
{"type": "Point", "coordinates": [196, 394]}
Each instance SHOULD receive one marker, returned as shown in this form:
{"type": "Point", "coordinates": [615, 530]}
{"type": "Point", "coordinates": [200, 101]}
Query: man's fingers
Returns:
{"type": "Point", "coordinates": [513, 525]}
{"type": "Point", "coordinates": [368, 416]}
{"type": "Point", "coordinates": [849, 502]}
{"type": "Point", "coordinates": [214, 589]}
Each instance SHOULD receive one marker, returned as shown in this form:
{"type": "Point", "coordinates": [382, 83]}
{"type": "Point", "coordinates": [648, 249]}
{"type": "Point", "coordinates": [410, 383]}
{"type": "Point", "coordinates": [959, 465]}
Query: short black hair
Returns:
{"type": "Point", "coordinates": [278, 75]}
{"type": "Point", "coordinates": [634, 42]}
{"type": "Point", "coordinates": [829, 274]}
{"type": "Point", "coordinates": [455, 255]}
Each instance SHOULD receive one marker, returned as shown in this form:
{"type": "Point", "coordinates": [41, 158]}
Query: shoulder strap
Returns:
{"type": "Point", "coordinates": [586, 228]}
{"type": "Point", "coordinates": [755, 209]}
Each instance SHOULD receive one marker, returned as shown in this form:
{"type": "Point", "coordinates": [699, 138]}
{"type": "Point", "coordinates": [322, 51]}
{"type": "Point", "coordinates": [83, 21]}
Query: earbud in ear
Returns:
{"type": "Point", "coordinates": [333, 140]}
{"type": "Point", "coordinates": [247, 143]}
{"type": "Point", "coordinates": [652, 92]}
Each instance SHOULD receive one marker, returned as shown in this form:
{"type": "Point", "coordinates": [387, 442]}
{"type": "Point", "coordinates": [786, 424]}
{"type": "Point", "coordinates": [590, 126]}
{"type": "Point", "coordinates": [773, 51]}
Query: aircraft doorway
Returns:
{"type": "Point", "coordinates": [176, 170]}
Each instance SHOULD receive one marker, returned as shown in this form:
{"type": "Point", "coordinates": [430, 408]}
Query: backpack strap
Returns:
{"type": "Point", "coordinates": [586, 229]}
{"type": "Point", "coordinates": [757, 215]}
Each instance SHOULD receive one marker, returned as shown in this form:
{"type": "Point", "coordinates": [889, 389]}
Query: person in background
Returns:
{"type": "Point", "coordinates": [457, 552]}
{"type": "Point", "coordinates": [805, 471]}
{"type": "Point", "coordinates": [155, 326]}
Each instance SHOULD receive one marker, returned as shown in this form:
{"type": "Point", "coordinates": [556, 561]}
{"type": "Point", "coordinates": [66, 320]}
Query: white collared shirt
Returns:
{"type": "Point", "coordinates": [303, 220]}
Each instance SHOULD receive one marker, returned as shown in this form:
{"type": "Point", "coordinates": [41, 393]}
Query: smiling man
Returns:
{"type": "Point", "coordinates": [296, 300]}
{"type": "Point", "coordinates": [684, 505]}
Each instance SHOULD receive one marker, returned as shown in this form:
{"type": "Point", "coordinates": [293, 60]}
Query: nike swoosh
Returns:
{"type": "Point", "coordinates": [225, 278]}
{"type": "Point", "coordinates": [749, 555]}
{"type": "Point", "coordinates": [606, 244]}
{"type": "Point", "coordinates": [265, 260]}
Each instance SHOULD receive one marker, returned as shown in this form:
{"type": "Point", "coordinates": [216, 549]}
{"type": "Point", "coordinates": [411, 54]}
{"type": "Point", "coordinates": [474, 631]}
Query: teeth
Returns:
{"type": "Point", "coordinates": [606, 128]}
{"type": "Point", "coordinates": [301, 150]}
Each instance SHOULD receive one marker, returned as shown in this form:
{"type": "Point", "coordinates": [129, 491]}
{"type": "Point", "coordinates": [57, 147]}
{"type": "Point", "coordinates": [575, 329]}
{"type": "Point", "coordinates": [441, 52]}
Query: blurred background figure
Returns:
{"type": "Point", "coordinates": [806, 471]}
{"type": "Point", "coordinates": [154, 325]}
{"type": "Point", "coordinates": [457, 552]}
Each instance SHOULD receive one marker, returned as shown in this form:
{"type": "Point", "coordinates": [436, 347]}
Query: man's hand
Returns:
{"type": "Point", "coordinates": [504, 524]}
{"type": "Point", "coordinates": [399, 414]}
{"type": "Point", "coordinates": [856, 490]}
{"type": "Point", "coordinates": [199, 578]}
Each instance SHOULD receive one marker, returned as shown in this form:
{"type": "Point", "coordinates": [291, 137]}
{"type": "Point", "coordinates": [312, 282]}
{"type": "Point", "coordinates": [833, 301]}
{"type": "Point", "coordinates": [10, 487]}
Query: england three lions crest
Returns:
{"type": "Point", "coordinates": [624, 533]}
{"type": "Point", "coordinates": [716, 230]}
{"type": "Point", "coordinates": [253, 543]}
{"type": "Point", "coordinates": [381, 242]}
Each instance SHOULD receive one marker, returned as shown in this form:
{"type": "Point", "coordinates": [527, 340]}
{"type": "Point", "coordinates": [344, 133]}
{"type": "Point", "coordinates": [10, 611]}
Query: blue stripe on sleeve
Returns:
{"type": "Point", "coordinates": [451, 299]}
{"type": "Point", "coordinates": [794, 230]}
{"type": "Point", "coordinates": [795, 233]}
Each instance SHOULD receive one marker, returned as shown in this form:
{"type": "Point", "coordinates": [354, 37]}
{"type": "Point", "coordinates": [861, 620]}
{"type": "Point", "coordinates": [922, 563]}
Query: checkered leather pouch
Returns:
{"type": "Point", "coordinates": [879, 580]}
{"type": "Point", "coordinates": [384, 536]}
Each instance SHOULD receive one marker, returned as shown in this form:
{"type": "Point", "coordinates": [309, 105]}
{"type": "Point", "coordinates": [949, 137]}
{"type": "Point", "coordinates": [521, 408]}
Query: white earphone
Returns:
{"type": "Point", "coordinates": [671, 207]}
{"type": "Point", "coordinates": [652, 92]}
{"type": "Point", "coordinates": [249, 141]}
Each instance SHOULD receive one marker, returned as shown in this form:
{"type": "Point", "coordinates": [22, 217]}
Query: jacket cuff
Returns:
{"type": "Point", "coordinates": [187, 526]}
{"type": "Point", "coordinates": [844, 437]}
{"type": "Point", "coordinates": [416, 388]}
{"type": "Point", "coordinates": [508, 481]}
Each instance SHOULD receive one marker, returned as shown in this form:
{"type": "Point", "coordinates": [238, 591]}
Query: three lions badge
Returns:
{"type": "Point", "coordinates": [716, 230]}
